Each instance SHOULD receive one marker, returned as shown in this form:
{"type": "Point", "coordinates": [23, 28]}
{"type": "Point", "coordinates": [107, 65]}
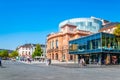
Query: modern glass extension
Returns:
{"type": "Point", "coordinates": [91, 24]}
{"type": "Point", "coordinates": [102, 48]}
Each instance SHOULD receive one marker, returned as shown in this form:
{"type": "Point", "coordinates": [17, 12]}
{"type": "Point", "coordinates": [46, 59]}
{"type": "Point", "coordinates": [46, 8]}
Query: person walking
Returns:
{"type": "Point", "coordinates": [0, 61]}
{"type": "Point", "coordinates": [82, 62]}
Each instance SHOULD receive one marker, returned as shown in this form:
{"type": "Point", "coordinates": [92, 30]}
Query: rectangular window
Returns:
{"type": "Point", "coordinates": [71, 29]}
{"type": "Point", "coordinates": [89, 23]}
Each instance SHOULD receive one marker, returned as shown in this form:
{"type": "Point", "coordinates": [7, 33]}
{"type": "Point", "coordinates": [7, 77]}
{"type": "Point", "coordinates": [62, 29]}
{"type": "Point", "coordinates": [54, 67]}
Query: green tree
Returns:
{"type": "Point", "coordinates": [116, 32]}
{"type": "Point", "coordinates": [14, 54]}
{"type": "Point", "coordinates": [38, 51]}
{"type": "Point", "coordinates": [4, 54]}
{"type": "Point", "coordinates": [0, 53]}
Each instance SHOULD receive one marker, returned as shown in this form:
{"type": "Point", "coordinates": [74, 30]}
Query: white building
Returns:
{"type": "Point", "coordinates": [27, 50]}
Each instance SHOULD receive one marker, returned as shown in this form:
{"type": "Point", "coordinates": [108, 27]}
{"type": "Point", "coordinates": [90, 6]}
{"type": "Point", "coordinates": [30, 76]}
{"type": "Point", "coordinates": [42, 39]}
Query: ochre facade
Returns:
{"type": "Point", "coordinates": [57, 43]}
{"type": "Point", "coordinates": [109, 28]}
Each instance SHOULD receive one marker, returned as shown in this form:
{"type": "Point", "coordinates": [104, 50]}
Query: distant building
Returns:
{"type": "Point", "coordinates": [9, 51]}
{"type": "Point", "coordinates": [109, 27]}
{"type": "Point", "coordinates": [28, 49]}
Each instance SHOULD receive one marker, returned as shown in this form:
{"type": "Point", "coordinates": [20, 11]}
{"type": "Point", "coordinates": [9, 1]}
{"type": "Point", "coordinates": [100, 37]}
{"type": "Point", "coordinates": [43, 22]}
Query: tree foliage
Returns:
{"type": "Point", "coordinates": [4, 54]}
{"type": "Point", "coordinates": [13, 54]}
{"type": "Point", "coordinates": [38, 51]}
{"type": "Point", "coordinates": [117, 31]}
{"type": "Point", "coordinates": [0, 53]}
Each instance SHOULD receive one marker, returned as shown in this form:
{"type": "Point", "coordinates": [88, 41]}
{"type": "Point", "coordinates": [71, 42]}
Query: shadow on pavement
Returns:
{"type": "Point", "coordinates": [87, 66]}
{"type": "Point", "coordinates": [2, 67]}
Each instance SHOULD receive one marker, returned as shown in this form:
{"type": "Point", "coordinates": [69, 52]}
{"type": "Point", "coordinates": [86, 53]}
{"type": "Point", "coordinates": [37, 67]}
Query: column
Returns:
{"type": "Point", "coordinates": [99, 59]}
{"type": "Point", "coordinates": [108, 59]}
{"type": "Point", "coordinates": [90, 59]}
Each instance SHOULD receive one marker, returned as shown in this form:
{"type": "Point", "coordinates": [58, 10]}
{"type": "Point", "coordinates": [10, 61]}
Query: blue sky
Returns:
{"type": "Point", "coordinates": [29, 21]}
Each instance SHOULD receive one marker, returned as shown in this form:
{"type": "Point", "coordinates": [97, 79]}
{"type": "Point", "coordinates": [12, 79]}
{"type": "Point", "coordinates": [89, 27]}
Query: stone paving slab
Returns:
{"type": "Point", "coordinates": [87, 66]}
{"type": "Point", "coordinates": [24, 71]}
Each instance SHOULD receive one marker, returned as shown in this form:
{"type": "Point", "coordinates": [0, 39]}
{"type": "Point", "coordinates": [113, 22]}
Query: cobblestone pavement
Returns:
{"type": "Point", "coordinates": [21, 71]}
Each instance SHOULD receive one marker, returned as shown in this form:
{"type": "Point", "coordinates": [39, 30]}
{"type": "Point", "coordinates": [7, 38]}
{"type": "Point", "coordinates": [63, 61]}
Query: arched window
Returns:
{"type": "Point", "coordinates": [50, 56]}
{"type": "Point", "coordinates": [53, 56]}
{"type": "Point", "coordinates": [56, 56]}
{"type": "Point", "coordinates": [71, 57]}
{"type": "Point", "coordinates": [63, 56]}
{"type": "Point", "coordinates": [52, 44]}
{"type": "Point", "coordinates": [29, 53]}
{"type": "Point", "coordinates": [56, 43]}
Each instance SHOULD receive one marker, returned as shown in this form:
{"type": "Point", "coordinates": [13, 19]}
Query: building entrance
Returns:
{"type": "Point", "coordinates": [101, 58]}
{"type": "Point", "coordinates": [110, 58]}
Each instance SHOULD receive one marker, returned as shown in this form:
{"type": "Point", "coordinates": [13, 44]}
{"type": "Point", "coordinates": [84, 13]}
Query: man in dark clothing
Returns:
{"type": "Point", "coordinates": [0, 61]}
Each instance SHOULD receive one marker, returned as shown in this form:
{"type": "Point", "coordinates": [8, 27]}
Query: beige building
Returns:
{"type": "Point", "coordinates": [57, 43]}
{"type": "Point", "coordinates": [109, 27]}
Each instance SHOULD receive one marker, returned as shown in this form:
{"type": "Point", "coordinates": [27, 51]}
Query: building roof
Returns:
{"type": "Point", "coordinates": [74, 21]}
{"type": "Point", "coordinates": [111, 24]}
{"type": "Point", "coordinates": [30, 45]}
{"type": "Point", "coordinates": [68, 25]}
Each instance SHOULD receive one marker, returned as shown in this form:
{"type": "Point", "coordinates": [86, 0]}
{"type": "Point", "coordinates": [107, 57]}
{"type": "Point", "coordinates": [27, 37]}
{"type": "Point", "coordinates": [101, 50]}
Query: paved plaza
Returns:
{"type": "Point", "coordinates": [21, 71]}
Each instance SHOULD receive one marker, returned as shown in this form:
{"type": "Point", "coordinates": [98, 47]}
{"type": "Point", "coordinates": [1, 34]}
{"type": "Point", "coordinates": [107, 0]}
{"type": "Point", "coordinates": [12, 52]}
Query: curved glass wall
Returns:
{"type": "Point", "coordinates": [87, 24]}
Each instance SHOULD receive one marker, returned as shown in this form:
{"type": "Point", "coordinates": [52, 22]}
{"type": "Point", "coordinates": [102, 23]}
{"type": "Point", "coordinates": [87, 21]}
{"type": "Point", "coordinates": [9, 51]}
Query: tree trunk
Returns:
{"type": "Point", "coordinates": [118, 45]}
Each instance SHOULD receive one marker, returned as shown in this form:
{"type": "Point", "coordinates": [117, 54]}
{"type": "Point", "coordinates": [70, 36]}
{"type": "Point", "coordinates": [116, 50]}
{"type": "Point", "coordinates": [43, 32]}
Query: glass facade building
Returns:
{"type": "Point", "coordinates": [99, 47]}
{"type": "Point", "coordinates": [91, 24]}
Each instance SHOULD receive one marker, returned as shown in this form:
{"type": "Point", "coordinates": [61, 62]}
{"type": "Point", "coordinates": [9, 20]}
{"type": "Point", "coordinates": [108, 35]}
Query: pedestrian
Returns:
{"type": "Point", "coordinates": [29, 60]}
{"type": "Point", "coordinates": [0, 61]}
{"type": "Point", "coordinates": [82, 62]}
{"type": "Point", "coordinates": [49, 61]}
{"type": "Point", "coordinates": [46, 62]}
{"type": "Point", "coordinates": [79, 62]}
